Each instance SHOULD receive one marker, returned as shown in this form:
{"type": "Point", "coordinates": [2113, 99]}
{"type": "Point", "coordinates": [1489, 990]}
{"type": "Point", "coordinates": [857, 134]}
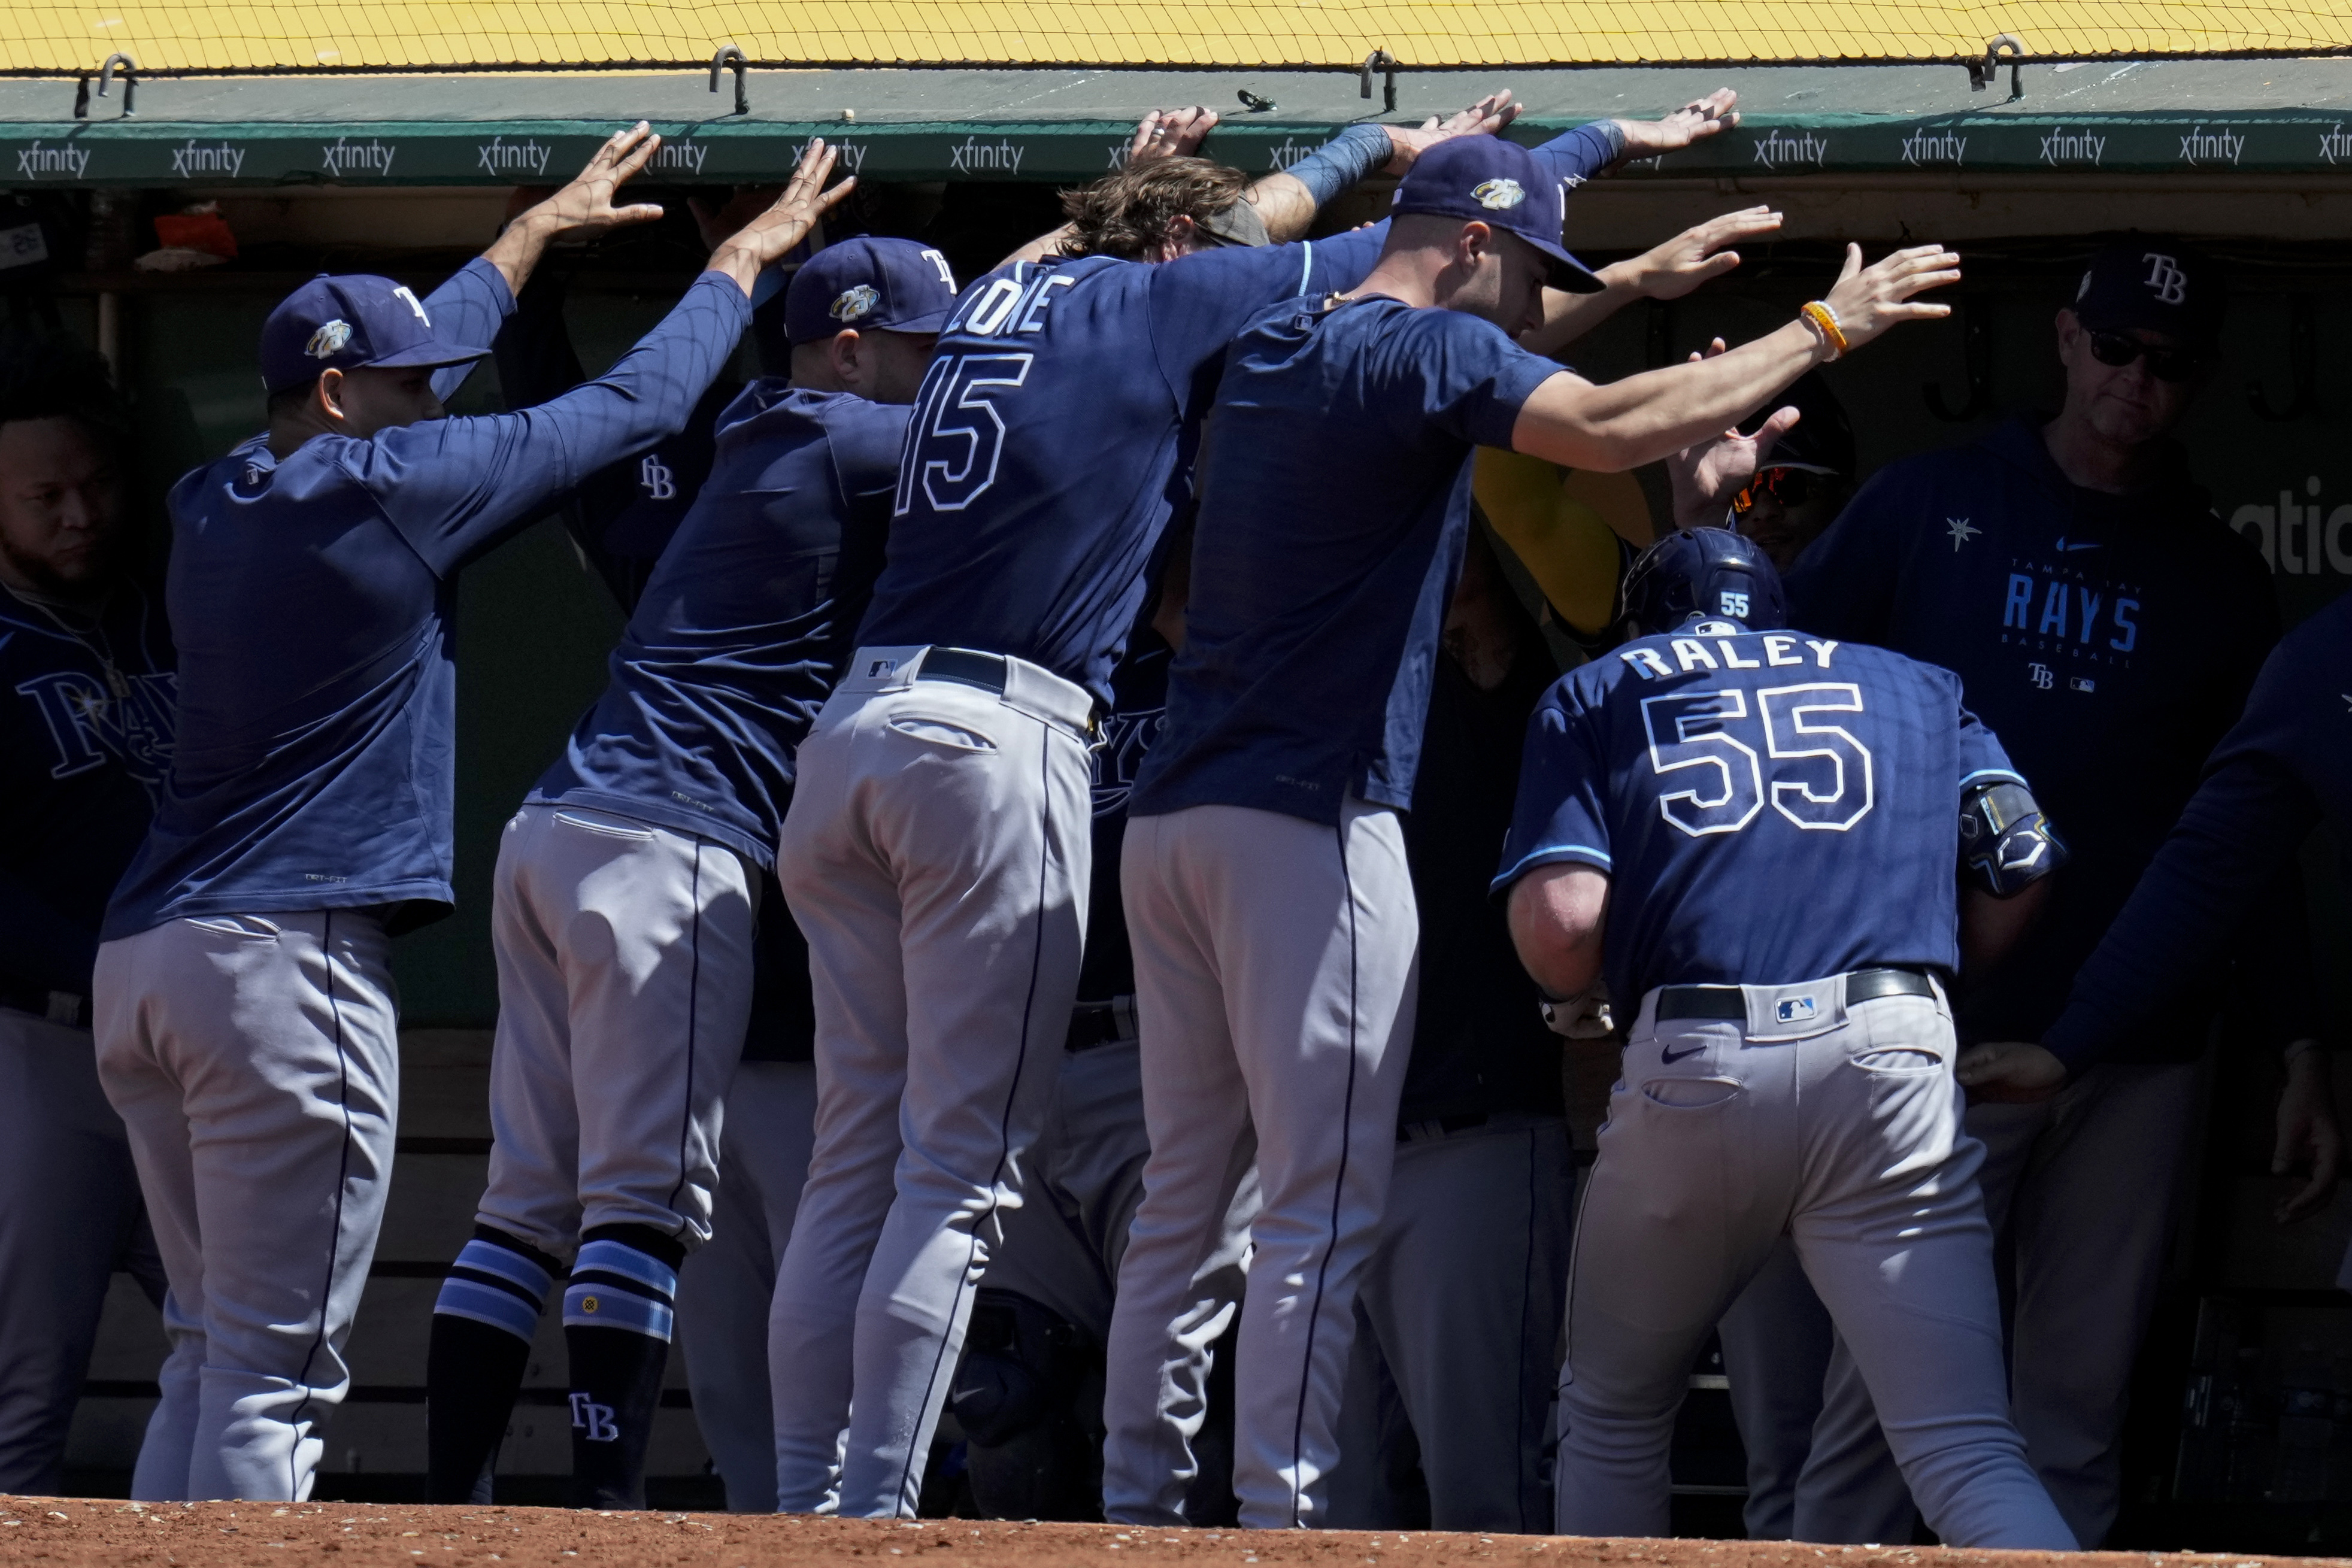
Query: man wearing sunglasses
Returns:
{"type": "Point", "coordinates": [2106, 625]}
{"type": "Point", "coordinates": [1786, 483]}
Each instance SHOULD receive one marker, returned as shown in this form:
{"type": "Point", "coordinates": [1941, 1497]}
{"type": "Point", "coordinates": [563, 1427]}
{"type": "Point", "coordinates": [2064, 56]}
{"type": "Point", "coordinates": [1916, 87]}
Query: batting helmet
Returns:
{"type": "Point", "coordinates": [1703, 574]}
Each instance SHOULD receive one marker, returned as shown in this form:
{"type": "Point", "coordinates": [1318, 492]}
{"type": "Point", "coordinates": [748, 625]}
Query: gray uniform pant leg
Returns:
{"type": "Point", "coordinates": [1849, 1140]}
{"type": "Point", "coordinates": [937, 856]}
{"type": "Point", "coordinates": [255, 1061]}
{"type": "Point", "coordinates": [1464, 1294]}
{"type": "Point", "coordinates": [624, 984]}
{"type": "Point", "coordinates": [724, 1295]}
{"type": "Point", "coordinates": [68, 1213]}
{"type": "Point", "coordinates": [2089, 1182]}
{"type": "Point", "coordinates": [1276, 966]}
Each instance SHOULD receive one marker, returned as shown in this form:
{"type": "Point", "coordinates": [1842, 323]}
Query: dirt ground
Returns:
{"type": "Point", "coordinates": [86, 1533]}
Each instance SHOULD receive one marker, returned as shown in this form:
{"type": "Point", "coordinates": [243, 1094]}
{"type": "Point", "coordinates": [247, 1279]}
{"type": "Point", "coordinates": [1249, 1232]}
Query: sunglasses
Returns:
{"type": "Point", "coordinates": [1793, 487]}
{"type": "Point", "coordinates": [2120, 348]}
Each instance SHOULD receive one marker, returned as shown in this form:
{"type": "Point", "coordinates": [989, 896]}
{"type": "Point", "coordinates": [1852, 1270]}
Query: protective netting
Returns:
{"type": "Point", "coordinates": [45, 38]}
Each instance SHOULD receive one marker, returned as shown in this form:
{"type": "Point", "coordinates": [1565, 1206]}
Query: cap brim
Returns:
{"type": "Point", "coordinates": [1568, 275]}
{"type": "Point", "coordinates": [928, 321]}
{"type": "Point", "coordinates": [427, 354]}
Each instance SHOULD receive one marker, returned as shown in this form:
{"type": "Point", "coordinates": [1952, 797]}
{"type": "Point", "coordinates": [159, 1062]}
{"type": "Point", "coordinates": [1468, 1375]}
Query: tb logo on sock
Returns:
{"type": "Point", "coordinates": [597, 1418]}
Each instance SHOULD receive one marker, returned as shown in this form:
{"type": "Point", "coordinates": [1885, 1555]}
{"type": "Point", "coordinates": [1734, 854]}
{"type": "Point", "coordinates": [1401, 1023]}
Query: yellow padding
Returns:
{"type": "Point", "coordinates": [1564, 529]}
{"type": "Point", "coordinates": [190, 35]}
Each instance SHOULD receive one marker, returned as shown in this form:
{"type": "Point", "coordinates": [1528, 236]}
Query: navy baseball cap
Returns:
{"type": "Point", "coordinates": [2155, 282]}
{"type": "Point", "coordinates": [352, 322]}
{"type": "Point", "coordinates": [872, 285]}
{"type": "Point", "coordinates": [1497, 182]}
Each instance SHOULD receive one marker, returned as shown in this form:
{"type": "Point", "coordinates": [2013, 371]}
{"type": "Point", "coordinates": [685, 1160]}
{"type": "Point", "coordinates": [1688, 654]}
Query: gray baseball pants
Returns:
{"type": "Point", "coordinates": [624, 983]}
{"type": "Point", "coordinates": [2088, 1184]}
{"type": "Point", "coordinates": [1276, 968]}
{"type": "Point", "coordinates": [723, 1300]}
{"type": "Point", "coordinates": [1462, 1296]}
{"type": "Point", "coordinates": [255, 1061]}
{"type": "Point", "coordinates": [935, 855]}
{"type": "Point", "coordinates": [1842, 1130]}
{"type": "Point", "coordinates": [70, 1217]}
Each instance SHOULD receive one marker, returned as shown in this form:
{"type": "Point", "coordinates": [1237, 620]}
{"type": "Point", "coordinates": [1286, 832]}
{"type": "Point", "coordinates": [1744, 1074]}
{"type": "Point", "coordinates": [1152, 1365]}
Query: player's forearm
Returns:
{"type": "Point", "coordinates": [1288, 199]}
{"type": "Point", "coordinates": [1990, 927]}
{"type": "Point", "coordinates": [1624, 424]}
{"type": "Point", "coordinates": [1568, 317]}
{"type": "Point", "coordinates": [1557, 914]}
{"type": "Point", "coordinates": [516, 252]}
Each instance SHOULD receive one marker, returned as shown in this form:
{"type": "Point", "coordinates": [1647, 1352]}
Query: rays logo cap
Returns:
{"type": "Point", "coordinates": [356, 321]}
{"type": "Point", "coordinates": [869, 284]}
{"type": "Point", "coordinates": [2156, 282]}
{"type": "Point", "coordinates": [1500, 184]}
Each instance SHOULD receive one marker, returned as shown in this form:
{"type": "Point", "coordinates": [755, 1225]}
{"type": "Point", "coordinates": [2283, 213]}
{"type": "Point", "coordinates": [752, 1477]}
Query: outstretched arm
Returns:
{"type": "Point", "coordinates": [1692, 258]}
{"type": "Point", "coordinates": [1645, 417]}
{"type": "Point", "coordinates": [1288, 199]}
{"type": "Point", "coordinates": [583, 207]}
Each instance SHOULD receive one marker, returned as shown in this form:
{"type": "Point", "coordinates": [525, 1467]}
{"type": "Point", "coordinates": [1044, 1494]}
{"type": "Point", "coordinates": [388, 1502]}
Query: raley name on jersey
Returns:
{"type": "Point", "coordinates": [2067, 612]}
{"type": "Point", "coordinates": [88, 726]}
{"type": "Point", "coordinates": [1779, 650]}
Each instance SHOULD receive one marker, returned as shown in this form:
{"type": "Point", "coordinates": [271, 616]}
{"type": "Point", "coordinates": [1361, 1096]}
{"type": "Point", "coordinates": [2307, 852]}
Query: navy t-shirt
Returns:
{"type": "Point", "coordinates": [83, 754]}
{"type": "Point", "coordinates": [1770, 806]}
{"type": "Point", "coordinates": [2108, 641]}
{"type": "Point", "coordinates": [742, 627]}
{"type": "Point", "coordinates": [2286, 764]}
{"type": "Point", "coordinates": [1051, 444]}
{"type": "Point", "coordinates": [1335, 490]}
{"type": "Point", "coordinates": [310, 600]}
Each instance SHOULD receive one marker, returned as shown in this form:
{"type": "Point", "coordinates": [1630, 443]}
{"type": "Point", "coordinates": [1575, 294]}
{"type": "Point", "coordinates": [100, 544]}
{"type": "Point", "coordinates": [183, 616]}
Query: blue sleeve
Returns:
{"type": "Point", "coordinates": [469, 309]}
{"type": "Point", "coordinates": [1340, 262]}
{"type": "Point", "coordinates": [1200, 302]}
{"type": "Point", "coordinates": [1983, 758]}
{"type": "Point", "coordinates": [1844, 584]}
{"type": "Point", "coordinates": [1474, 379]}
{"type": "Point", "coordinates": [2243, 825]}
{"type": "Point", "coordinates": [454, 487]}
{"type": "Point", "coordinates": [1558, 818]}
{"type": "Point", "coordinates": [1578, 155]}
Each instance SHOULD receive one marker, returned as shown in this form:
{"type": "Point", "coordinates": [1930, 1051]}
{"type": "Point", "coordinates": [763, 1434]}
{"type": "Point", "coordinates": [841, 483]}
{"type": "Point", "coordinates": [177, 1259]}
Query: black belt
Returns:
{"type": "Point", "coordinates": [1100, 1023]}
{"type": "Point", "coordinates": [56, 1006]}
{"type": "Point", "coordinates": [964, 667]}
{"type": "Point", "coordinates": [1730, 1002]}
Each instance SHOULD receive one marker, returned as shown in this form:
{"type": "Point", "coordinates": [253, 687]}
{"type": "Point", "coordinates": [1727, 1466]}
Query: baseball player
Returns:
{"type": "Point", "coordinates": [937, 854]}
{"type": "Point", "coordinates": [2284, 766]}
{"type": "Point", "coordinates": [626, 889]}
{"type": "Point", "coordinates": [1787, 474]}
{"type": "Point", "coordinates": [1264, 877]}
{"type": "Point", "coordinates": [1767, 826]}
{"type": "Point", "coordinates": [2107, 626]}
{"type": "Point", "coordinates": [245, 1013]}
{"type": "Point", "coordinates": [85, 737]}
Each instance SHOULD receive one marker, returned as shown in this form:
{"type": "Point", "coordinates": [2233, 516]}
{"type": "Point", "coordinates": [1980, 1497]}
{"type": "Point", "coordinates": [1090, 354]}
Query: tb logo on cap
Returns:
{"type": "Point", "coordinates": [1497, 195]}
{"type": "Point", "coordinates": [2165, 278]}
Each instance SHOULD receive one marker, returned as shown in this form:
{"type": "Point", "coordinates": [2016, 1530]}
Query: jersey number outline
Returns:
{"type": "Point", "coordinates": [1690, 729]}
{"type": "Point", "coordinates": [957, 434]}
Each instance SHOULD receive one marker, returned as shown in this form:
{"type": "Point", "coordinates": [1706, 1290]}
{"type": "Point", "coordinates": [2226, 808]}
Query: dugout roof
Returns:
{"type": "Point", "coordinates": [2213, 119]}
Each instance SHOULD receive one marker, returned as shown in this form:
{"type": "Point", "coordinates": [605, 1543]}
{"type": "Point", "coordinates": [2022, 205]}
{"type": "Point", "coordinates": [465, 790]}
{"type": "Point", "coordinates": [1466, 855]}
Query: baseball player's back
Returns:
{"type": "Point", "coordinates": [1752, 835]}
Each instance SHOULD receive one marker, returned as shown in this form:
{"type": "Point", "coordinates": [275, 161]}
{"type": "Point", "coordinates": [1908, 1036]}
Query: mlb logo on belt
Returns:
{"type": "Point", "coordinates": [1797, 1009]}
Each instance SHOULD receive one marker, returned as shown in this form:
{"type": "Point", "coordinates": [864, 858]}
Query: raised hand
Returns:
{"type": "Point", "coordinates": [1704, 478]}
{"type": "Point", "coordinates": [767, 237]}
{"type": "Point", "coordinates": [1870, 299]}
{"type": "Point", "coordinates": [1699, 253]}
{"type": "Point", "coordinates": [585, 205]}
{"type": "Point", "coordinates": [1170, 133]}
{"type": "Point", "coordinates": [1484, 118]}
{"type": "Point", "coordinates": [1694, 121]}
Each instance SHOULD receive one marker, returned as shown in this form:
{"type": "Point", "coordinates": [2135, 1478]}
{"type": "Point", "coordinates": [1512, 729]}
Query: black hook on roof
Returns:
{"type": "Point", "coordinates": [1976, 329]}
{"type": "Point", "coordinates": [129, 79]}
{"type": "Point", "coordinates": [2302, 363]}
{"type": "Point", "coordinates": [1981, 72]}
{"type": "Point", "coordinates": [730, 56]}
{"type": "Point", "coordinates": [1382, 61]}
{"type": "Point", "coordinates": [81, 97]}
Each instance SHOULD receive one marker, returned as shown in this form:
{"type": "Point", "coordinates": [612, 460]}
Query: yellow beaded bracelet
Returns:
{"type": "Point", "coordinates": [1825, 319]}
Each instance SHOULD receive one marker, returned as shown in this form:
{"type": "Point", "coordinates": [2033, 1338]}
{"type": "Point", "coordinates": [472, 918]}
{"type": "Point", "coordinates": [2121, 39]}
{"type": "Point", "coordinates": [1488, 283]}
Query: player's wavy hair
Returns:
{"type": "Point", "coordinates": [49, 373]}
{"type": "Point", "coordinates": [1127, 215]}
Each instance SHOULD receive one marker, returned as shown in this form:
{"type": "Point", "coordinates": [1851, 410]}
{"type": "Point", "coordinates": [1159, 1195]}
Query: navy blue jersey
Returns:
{"type": "Point", "coordinates": [1335, 490]}
{"type": "Point", "coordinates": [742, 627]}
{"type": "Point", "coordinates": [1770, 806]}
{"type": "Point", "coordinates": [622, 515]}
{"type": "Point", "coordinates": [310, 598]}
{"type": "Point", "coordinates": [1139, 701]}
{"type": "Point", "coordinates": [2286, 764]}
{"type": "Point", "coordinates": [86, 709]}
{"type": "Point", "coordinates": [2108, 639]}
{"type": "Point", "coordinates": [1051, 444]}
